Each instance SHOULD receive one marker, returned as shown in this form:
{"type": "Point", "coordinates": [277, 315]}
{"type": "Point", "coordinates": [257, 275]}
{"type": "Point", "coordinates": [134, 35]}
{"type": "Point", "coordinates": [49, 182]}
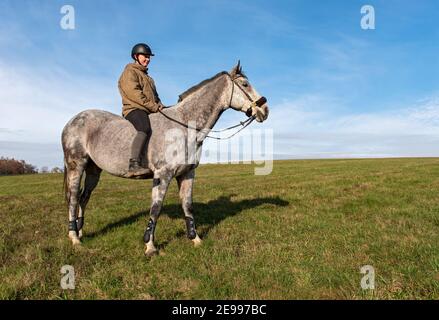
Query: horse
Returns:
{"type": "Point", "coordinates": [96, 140]}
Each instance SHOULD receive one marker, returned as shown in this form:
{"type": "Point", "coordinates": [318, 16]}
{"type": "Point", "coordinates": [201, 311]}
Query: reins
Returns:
{"type": "Point", "coordinates": [244, 124]}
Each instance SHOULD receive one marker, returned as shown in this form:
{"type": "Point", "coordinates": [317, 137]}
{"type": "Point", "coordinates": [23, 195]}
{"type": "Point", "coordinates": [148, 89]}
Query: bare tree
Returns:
{"type": "Point", "coordinates": [56, 170]}
{"type": "Point", "coordinates": [12, 166]}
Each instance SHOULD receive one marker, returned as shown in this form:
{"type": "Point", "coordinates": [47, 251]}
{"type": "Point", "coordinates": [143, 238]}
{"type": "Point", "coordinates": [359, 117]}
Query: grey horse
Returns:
{"type": "Point", "coordinates": [96, 140]}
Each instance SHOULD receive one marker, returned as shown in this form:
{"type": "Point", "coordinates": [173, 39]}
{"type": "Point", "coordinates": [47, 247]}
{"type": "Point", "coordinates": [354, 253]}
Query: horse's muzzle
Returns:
{"type": "Point", "coordinates": [258, 103]}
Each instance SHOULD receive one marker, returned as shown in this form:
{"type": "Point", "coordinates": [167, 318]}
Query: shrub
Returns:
{"type": "Point", "coordinates": [12, 166]}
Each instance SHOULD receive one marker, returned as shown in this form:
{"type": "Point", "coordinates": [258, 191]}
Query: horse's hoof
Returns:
{"type": "Point", "coordinates": [74, 238]}
{"type": "Point", "coordinates": [151, 252]}
{"type": "Point", "coordinates": [80, 234]}
{"type": "Point", "coordinates": [197, 241]}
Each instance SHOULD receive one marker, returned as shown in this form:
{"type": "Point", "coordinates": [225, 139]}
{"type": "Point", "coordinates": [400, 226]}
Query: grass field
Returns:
{"type": "Point", "coordinates": [303, 231]}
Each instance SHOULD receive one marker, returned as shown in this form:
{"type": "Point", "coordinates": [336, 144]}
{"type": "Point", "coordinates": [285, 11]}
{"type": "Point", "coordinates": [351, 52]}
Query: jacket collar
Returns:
{"type": "Point", "coordinates": [139, 67]}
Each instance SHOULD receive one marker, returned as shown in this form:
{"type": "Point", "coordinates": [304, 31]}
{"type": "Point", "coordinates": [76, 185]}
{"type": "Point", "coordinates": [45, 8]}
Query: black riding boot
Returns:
{"type": "Point", "coordinates": [135, 167]}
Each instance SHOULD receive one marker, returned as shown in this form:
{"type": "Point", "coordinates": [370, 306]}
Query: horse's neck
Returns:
{"type": "Point", "coordinates": [205, 105]}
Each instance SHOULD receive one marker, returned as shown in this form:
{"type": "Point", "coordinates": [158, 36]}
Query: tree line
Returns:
{"type": "Point", "coordinates": [11, 166]}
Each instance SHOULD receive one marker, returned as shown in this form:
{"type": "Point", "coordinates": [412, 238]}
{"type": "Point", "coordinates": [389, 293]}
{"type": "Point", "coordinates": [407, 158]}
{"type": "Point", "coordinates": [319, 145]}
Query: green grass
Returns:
{"type": "Point", "coordinates": [303, 231]}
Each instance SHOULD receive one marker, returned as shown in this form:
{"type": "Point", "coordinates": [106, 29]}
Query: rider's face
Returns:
{"type": "Point", "coordinates": [143, 59]}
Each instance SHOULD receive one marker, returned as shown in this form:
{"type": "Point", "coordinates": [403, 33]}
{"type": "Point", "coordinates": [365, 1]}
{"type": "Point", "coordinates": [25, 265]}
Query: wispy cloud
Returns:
{"type": "Point", "coordinates": [36, 105]}
{"type": "Point", "coordinates": [37, 154]}
{"type": "Point", "coordinates": [304, 129]}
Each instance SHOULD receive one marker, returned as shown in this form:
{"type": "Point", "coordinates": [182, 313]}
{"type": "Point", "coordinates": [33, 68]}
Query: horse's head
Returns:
{"type": "Point", "coordinates": [244, 96]}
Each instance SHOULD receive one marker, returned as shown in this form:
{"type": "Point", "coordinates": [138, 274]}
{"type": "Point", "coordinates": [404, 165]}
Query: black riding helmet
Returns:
{"type": "Point", "coordinates": [141, 48]}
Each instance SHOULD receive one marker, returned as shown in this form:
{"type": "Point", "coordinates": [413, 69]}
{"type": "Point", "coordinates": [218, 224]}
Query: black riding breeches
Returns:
{"type": "Point", "coordinates": [140, 120]}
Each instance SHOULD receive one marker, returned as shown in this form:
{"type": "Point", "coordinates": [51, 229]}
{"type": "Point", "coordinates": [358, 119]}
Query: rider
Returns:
{"type": "Point", "coordinates": [139, 98]}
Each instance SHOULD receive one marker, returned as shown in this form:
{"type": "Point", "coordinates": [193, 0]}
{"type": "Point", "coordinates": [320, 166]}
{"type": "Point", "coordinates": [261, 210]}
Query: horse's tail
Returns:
{"type": "Point", "coordinates": [64, 187]}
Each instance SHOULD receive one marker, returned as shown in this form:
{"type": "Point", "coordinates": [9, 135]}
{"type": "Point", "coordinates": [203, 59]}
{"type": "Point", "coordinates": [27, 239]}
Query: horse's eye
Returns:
{"type": "Point", "coordinates": [245, 84]}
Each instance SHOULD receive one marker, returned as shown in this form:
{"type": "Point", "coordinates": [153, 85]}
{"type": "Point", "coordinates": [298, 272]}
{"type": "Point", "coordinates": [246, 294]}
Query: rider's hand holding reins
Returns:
{"type": "Point", "coordinates": [161, 106]}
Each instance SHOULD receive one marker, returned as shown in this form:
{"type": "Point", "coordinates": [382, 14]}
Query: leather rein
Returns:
{"type": "Point", "coordinates": [244, 124]}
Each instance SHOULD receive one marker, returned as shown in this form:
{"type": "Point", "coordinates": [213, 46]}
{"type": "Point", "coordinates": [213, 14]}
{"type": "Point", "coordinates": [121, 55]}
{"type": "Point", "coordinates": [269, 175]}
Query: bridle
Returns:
{"type": "Point", "coordinates": [258, 103]}
{"type": "Point", "coordinates": [248, 112]}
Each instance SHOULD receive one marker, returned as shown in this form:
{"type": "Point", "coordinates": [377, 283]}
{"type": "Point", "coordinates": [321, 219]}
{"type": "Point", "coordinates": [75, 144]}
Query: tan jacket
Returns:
{"type": "Point", "coordinates": [138, 90]}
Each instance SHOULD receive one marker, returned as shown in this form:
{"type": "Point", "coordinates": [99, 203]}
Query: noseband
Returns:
{"type": "Point", "coordinates": [258, 103]}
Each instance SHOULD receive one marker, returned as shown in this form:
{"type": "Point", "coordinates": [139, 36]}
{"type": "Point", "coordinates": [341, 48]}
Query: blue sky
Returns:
{"type": "Point", "coordinates": [334, 89]}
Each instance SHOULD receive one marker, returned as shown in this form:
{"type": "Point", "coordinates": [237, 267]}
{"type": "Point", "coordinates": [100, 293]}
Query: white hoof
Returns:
{"type": "Point", "coordinates": [197, 241]}
{"type": "Point", "coordinates": [74, 238]}
{"type": "Point", "coordinates": [80, 234]}
{"type": "Point", "coordinates": [75, 241]}
{"type": "Point", "coordinates": [150, 251]}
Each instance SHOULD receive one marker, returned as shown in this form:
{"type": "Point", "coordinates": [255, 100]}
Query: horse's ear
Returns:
{"type": "Point", "coordinates": [236, 69]}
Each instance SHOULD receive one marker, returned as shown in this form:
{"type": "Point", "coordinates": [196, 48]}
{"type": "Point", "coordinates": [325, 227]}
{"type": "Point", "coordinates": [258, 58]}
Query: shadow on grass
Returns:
{"type": "Point", "coordinates": [207, 215]}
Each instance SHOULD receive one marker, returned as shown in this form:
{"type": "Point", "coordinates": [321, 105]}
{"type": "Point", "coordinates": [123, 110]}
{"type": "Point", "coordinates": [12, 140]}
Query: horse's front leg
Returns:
{"type": "Point", "coordinates": [185, 184]}
{"type": "Point", "coordinates": [159, 188]}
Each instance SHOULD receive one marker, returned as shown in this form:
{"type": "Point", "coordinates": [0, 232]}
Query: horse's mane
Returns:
{"type": "Point", "coordinates": [197, 86]}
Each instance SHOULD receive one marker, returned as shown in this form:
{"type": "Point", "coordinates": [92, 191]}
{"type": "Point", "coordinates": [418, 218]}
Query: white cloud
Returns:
{"type": "Point", "coordinates": [427, 112]}
{"type": "Point", "coordinates": [36, 104]}
{"type": "Point", "coordinates": [37, 154]}
{"type": "Point", "coordinates": [313, 126]}
{"type": "Point", "coordinates": [302, 128]}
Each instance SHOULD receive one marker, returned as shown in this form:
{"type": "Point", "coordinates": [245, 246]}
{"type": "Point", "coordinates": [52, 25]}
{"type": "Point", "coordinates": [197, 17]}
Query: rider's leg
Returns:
{"type": "Point", "coordinates": [140, 121]}
{"type": "Point", "coordinates": [137, 148]}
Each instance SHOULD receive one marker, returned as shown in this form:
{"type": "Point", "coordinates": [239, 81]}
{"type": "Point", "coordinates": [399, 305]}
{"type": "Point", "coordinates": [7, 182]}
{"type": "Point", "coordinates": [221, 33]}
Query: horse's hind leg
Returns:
{"type": "Point", "coordinates": [185, 184]}
{"type": "Point", "coordinates": [92, 175]}
{"type": "Point", "coordinates": [73, 175]}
